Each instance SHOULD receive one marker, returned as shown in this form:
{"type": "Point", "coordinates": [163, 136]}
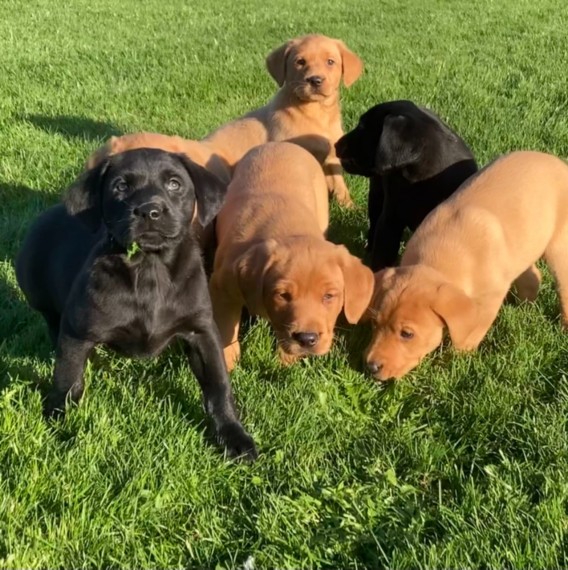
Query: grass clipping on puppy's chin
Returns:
{"type": "Point", "coordinates": [132, 250]}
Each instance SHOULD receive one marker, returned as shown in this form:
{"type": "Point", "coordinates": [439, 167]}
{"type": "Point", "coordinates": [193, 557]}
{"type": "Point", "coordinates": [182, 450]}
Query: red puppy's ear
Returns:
{"type": "Point", "coordinates": [358, 289]}
{"type": "Point", "coordinates": [250, 269]}
{"type": "Point", "coordinates": [458, 311]}
{"type": "Point", "coordinates": [352, 64]}
{"type": "Point", "coordinates": [382, 283]}
{"type": "Point", "coordinates": [276, 62]}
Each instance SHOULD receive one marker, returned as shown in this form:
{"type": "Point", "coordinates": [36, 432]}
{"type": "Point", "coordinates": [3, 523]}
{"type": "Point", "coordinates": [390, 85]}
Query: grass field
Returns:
{"type": "Point", "coordinates": [462, 464]}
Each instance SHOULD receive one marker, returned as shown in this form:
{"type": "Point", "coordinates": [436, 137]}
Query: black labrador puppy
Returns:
{"type": "Point", "coordinates": [118, 264]}
{"type": "Point", "coordinates": [414, 162]}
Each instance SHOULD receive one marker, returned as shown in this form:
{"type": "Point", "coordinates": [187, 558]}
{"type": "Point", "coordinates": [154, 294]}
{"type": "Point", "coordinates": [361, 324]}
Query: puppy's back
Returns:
{"type": "Point", "coordinates": [277, 189]}
{"type": "Point", "coordinates": [508, 211]}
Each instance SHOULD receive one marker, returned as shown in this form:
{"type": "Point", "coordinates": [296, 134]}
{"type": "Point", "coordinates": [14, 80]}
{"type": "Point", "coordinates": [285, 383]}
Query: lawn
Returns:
{"type": "Point", "coordinates": [464, 463]}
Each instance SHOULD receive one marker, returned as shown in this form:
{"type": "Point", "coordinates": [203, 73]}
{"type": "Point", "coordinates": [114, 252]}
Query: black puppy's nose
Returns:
{"type": "Point", "coordinates": [150, 210]}
{"type": "Point", "coordinates": [306, 339]}
{"type": "Point", "coordinates": [374, 367]}
{"type": "Point", "coordinates": [315, 80]}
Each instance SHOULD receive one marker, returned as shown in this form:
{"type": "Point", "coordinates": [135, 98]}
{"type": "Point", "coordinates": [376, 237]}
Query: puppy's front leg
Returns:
{"type": "Point", "coordinates": [375, 203]}
{"type": "Point", "coordinates": [335, 181]}
{"type": "Point", "coordinates": [486, 317]}
{"type": "Point", "coordinates": [206, 361]}
{"type": "Point", "coordinates": [386, 241]}
{"type": "Point", "coordinates": [227, 316]}
{"type": "Point", "coordinates": [70, 358]}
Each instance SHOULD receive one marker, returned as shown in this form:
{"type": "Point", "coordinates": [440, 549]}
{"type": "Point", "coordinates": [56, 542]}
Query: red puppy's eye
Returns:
{"type": "Point", "coordinates": [406, 334]}
{"type": "Point", "coordinates": [300, 61]}
{"type": "Point", "coordinates": [328, 297]}
{"type": "Point", "coordinates": [330, 62]}
{"type": "Point", "coordinates": [284, 296]}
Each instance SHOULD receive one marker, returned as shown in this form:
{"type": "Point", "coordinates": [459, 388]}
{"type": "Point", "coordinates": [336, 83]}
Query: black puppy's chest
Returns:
{"type": "Point", "coordinates": [409, 201]}
{"type": "Point", "coordinates": [142, 309]}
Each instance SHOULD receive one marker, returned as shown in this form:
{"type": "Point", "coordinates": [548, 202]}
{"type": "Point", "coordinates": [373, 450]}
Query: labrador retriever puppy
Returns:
{"type": "Point", "coordinates": [459, 265]}
{"type": "Point", "coordinates": [273, 258]}
{"type": "Point", "coordinates": [305, 110]}
{"type": "Point", "coordinates": [414, 162]}
{"type": "Point", "coordinates": [79, 268]}
{"type": "Point", "coordinates": [196, 151]}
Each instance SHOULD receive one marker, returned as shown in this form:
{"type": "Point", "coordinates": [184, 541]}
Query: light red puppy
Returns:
{"type": "Point", "coordinates": [463, 259]}
{"type": "Point", "coordinates": [200, 153]}
{"type": "Point", "coordinates": [273, 257]}
{"type": "Point", "coordinates": [306, 109]}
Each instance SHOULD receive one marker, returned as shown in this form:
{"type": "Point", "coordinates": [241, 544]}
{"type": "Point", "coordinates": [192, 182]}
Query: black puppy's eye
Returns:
{"type": "Point", "coordinates": [173, 185]}
{"type": "Point", "coordinates": [330, 62]}
{"type": "Point", "coordinates": [406, 334]}
{"type": "Point", "coordinates": [121, 187]}
{"type": "Point", "coordinates": [300, 61]}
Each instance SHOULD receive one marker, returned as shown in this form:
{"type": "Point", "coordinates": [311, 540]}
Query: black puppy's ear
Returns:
{"type": "Point", "coordinates": [83, 198]}
{"type": "Point", "coordinates": [398, 148]}
{"type": "Point", "coordinates": [210, 190]}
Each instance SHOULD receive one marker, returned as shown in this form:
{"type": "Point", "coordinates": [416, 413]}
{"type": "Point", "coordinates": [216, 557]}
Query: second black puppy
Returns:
{"type": "Point", "coordinates": [414, 162]}
{"type": "Point", "coordinates": [80, 270]}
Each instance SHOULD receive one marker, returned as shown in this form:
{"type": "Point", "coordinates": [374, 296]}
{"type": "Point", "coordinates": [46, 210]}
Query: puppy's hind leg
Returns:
{"type": "Point", "coordinates": [556, 255]}
{"type": "Point", "coordinates": [527, 284]}
{"type": "Point", "coordinates": [52, 321]}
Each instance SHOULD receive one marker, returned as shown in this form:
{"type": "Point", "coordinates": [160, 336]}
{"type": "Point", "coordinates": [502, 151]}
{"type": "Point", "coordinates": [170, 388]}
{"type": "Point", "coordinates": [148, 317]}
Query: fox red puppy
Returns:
{"type": "Point", "coordinates": [463, 259]}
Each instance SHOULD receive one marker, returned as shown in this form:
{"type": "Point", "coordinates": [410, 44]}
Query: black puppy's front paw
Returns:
{"type": "Point", "coordinates": [54, 406]}
{"type": "Point", "coordinates": [238, 443]}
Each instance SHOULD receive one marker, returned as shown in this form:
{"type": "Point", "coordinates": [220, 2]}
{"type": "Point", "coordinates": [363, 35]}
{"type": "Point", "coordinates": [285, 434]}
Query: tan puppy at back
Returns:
{"type": "Point", "coordinates": [273, 257]}
{"type": "Point", "coordinates": [306, 110]}
{"type": "Point", "coordinates": [200, 153]}
{"type": "Point", "coordinates": [462, 260]}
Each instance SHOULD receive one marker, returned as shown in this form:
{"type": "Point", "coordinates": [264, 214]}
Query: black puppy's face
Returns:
{"type": "Point", "coordinates": [389, 137]}
{"type": "Point", "coordinates": [147, 196]}
{"type": "Point", "coordinates": [148, 199]}
{"type": "Point", "coordinates": [357, 149]}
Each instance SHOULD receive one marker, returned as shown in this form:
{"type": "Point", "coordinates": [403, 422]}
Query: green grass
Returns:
{"type": "Point", "coordinates": [462, 464]}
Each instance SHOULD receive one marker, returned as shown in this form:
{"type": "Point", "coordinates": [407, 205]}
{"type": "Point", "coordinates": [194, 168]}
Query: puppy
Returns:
{"type": "Point", "coordinates": [305, 110]}
{"type": "Point", "coordinates": [462, 260]}
{"type": "Point", "coordinates": [196, 151]}
{"type": "Point", "coordinates": [77, 268]}
{"type": "Point", "coordinates": [272, 255]}
{"type": "Point", "coordinates": [414, 162]}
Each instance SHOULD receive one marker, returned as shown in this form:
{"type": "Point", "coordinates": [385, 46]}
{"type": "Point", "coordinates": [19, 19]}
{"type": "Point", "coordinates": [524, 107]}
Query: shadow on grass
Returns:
{"type": "Point", "coordinates": [18, 337]}
{"type": "Point", "coordinates": [348, 228]}
{"type": "Point", "coordinates": [73, 127]}
{"type": "Point", "coordinates": [170, 392]}
{"type": "Point", "coordinates": [355, 338]}
{"type": "Point", "coordinates": [24, 345]}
